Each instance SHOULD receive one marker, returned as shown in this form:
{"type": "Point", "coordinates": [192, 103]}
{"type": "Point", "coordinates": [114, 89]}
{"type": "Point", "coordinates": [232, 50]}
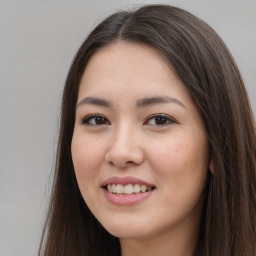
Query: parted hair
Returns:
{"type": "Point", "coordinates": [205, 66]}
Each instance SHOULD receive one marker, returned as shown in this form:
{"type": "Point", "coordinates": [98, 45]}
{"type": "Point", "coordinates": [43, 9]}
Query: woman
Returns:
{"type": "Point", "coordinates": [157, 146]}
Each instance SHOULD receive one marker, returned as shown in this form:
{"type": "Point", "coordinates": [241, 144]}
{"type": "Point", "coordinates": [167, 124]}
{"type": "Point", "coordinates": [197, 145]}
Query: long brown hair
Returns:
{"type": "Point", "coordinates": [205, 66]}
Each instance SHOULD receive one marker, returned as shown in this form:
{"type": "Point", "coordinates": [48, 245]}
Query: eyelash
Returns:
{"type": "Point", "coordinates": [166, 118]}
{"type": "Point", "coordinates": [88, 118]}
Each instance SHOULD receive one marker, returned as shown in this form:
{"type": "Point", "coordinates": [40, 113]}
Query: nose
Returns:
{"type": "Point", "coordinates": [125, 149]}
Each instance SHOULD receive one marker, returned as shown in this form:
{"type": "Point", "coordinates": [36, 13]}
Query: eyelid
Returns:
{"type": "Point", "coordinates": [171, 119]}
{"type": "Point", "coordinates": [87, 118]}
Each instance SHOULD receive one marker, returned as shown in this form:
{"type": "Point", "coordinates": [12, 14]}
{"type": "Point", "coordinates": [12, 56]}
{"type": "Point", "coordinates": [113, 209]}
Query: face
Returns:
{"type": "Point", "coordinates": [139, 147]}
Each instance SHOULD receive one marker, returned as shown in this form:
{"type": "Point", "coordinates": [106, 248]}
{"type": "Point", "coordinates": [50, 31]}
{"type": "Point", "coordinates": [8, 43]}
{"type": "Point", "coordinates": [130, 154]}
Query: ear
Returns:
{"type": "Point", "coordinates": [211, 166]}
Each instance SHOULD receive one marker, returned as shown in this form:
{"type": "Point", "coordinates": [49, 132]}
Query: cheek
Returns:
{"type": "Point", "coordinates": [87, 158]}
{"type": "Point", "coordinates": [181, 162]}
{"type": "Point", "coordinates": [181, 170]}
{"type": "Point", "coordinates": [171, 157]}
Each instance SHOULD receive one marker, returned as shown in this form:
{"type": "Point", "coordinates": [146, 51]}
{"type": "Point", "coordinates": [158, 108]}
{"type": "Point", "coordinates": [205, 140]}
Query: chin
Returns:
{"type": "Point", "coordinates": [128, 234]}
{"type": "Point", "coordinates": [126, 230]}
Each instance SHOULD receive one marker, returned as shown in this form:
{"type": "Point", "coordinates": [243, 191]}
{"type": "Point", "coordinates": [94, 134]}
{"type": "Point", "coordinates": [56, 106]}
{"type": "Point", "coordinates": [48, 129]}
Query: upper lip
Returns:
{"type": "Point", "coordinates": [125, 181]}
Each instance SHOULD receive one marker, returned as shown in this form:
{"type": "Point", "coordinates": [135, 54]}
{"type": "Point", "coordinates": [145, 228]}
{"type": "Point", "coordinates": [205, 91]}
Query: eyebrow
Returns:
{"type": "Point", "coordinates": [139, 103]}
{"type": "Point", "coordinates": [158, 99]}
{"type": "Point", "coordinates": [94, 101]}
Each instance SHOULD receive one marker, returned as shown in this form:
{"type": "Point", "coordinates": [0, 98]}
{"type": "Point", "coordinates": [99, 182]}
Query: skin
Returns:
{"type": "Point", "coordinates": [129, 142]}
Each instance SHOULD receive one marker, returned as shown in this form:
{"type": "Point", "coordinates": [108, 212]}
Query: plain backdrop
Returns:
{"type": "Point", "coordinates": [38, 40]}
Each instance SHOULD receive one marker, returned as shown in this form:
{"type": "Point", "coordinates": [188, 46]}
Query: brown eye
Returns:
{"type": "Point", "coordinates": [160, 120]}
{"type": "Point", "coordinates": [95, 120]}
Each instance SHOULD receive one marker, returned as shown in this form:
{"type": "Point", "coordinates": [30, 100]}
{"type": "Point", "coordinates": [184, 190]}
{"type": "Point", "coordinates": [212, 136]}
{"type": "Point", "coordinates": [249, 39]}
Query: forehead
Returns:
{"type": "Point", "coordinates": [125, 69]}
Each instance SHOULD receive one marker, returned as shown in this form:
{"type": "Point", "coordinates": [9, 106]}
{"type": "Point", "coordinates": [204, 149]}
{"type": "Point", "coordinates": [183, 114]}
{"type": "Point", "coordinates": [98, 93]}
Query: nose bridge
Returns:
{"type": "Point", "coordinates": [124, 147]}
{"type": "Point", "coordinates": [123, 136]}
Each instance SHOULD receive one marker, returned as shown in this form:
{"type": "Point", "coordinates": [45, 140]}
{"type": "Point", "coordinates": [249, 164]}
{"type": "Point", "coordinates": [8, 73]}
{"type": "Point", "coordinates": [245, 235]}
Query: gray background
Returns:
{"type": "Point", "coordinates": [38, 40]}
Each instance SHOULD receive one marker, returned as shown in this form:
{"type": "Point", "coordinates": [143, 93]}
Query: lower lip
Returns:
{"type": "Point", "coordinates": [127, 199]}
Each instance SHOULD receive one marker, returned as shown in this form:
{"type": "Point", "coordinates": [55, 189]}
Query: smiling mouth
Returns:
{"type": "Point", "coordinates": [128, 189]}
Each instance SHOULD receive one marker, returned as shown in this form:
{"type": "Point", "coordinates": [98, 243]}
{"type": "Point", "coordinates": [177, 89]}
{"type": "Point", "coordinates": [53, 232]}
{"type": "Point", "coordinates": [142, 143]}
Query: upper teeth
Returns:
{"type": "Point", "coordinates": [127, 189]}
